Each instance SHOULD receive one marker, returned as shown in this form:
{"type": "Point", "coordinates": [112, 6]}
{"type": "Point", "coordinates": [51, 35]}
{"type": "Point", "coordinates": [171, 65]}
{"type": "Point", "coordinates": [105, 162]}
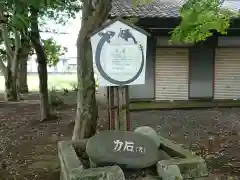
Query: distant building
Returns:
{"type": "Point", "coordinates": [184, 72]}
{"type": "Point", "coordinates": [65, 65]}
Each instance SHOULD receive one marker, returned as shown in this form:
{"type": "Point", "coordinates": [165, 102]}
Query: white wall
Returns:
{"type": "Point", "coordinates": [64, 66]}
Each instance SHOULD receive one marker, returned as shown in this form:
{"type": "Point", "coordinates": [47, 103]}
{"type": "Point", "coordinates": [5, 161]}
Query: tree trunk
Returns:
{"type": "Point", "coordinates": [11, 79]}
{"type": "Point", "coordinates": [23, 86]}
{"type": "Point", "coordinates": [23, 58]}
{"type": "Point", "coordinates": [11, 71]}
{"type": "Point", "coordinates": [87, 112]}
{"type": "Point", "coordinates": [11, 84]}
{"type": "Point", "coordinates": [42, 66]}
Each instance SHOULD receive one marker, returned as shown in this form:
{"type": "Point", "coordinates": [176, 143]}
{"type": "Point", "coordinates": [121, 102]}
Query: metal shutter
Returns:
{"type": "Point", "coordinates": [227, 73]}
{"type": "Point", "coordinates": [171, 74]}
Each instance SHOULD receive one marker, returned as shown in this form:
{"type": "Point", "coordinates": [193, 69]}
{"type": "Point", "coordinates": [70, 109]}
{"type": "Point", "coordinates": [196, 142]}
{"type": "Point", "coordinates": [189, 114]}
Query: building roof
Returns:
{"type": "Point", "coordinates": [157, 8]}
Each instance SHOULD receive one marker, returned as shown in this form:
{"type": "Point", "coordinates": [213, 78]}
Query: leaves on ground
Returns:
{"type": "Point", "coordinates": [27, 145]}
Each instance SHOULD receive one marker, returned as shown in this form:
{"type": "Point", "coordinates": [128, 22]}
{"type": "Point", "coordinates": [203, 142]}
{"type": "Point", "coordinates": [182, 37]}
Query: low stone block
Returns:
{"type": "Point", "coordinates": [68, 159]}
{"type": "Point", "coordinates": [73, 169]}
{"type": "Point", "coordinates": [170, 172]}
{"type": "Point", "coordinates": [189, 167]}
{"type": "Point", "coordinates": [174, 150]}
{"type": "Point", "coordinates": [101, 173]}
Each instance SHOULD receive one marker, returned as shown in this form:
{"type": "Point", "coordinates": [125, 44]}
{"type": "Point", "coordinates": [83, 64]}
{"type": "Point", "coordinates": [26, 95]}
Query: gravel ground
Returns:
{"type": "Point", "coordinates": [212, 133]}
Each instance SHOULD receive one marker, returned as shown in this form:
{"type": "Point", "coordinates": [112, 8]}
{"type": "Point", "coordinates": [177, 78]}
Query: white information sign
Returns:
{"type": "Point", "coordinates": [124, 58]}
{"type": "Point", "coordinates": [119, 55]}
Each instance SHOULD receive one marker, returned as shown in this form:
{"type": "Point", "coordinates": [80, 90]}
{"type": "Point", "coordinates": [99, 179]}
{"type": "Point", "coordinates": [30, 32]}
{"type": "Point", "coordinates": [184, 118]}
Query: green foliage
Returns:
{"type": "Point", "coordinates": [61, 12]}
{"type": "Point", "coordinates": [15, 20]}
{"type": "Point", "coordinates": [53, 51]}
{"type": "Point", "coordinates": [13, 16]}
{"type": "Point", "coordinates": [16, 13]}
{"type": "Point", "coordinates": [199, 19]}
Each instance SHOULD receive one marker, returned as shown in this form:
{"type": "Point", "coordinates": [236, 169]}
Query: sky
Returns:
{"type": "Point", "coordinates": [68, 40]}
{"type": "Point", "coordinates": [233, 4]}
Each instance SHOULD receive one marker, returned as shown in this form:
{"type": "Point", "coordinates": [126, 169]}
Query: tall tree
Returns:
{"type": "Point", "coordinates": [38, 9]}
{"type": "Point", "coordinates": [53, 9]}
{"type": "Point", "coordinates": [11, 36]}
{"type": "Point", "coordinates": [13, 32]}
{"type": "Point", "coordinates": [42, 64]}
{"type": "Point", "coordinates": [94, 14]}
{"type": "Point", "coordinates": [49, 10]}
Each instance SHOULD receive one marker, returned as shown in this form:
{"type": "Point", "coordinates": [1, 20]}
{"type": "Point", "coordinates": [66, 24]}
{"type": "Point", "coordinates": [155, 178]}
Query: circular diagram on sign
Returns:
{"type": "Point", "coordinates": [119, 57]}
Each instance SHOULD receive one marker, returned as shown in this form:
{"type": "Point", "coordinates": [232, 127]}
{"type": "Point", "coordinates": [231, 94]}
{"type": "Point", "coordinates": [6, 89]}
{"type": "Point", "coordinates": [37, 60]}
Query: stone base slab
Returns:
{"type": "Point", "coordinates": [189, 168]}
{"type": "Point", "coordinates": [101, 173]}
{"type": "Point", "coordinates": [190, 165]}
{"type": "Point", "coordinates": [73, 169]}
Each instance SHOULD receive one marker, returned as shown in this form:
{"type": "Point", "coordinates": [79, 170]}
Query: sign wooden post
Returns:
{"type": "Point", "coordinates": [118, 107]}
{"type": "Point", "coordinates": [119, 59]}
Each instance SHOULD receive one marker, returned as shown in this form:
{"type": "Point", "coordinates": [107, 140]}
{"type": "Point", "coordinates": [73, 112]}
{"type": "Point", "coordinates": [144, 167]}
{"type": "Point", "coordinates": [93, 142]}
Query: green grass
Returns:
{"type": "Point", "coordinates": [58, 81]}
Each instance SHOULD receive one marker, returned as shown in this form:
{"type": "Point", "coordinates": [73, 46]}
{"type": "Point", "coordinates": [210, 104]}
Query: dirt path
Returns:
{"type": "Point", "coordinates": [28, 147]}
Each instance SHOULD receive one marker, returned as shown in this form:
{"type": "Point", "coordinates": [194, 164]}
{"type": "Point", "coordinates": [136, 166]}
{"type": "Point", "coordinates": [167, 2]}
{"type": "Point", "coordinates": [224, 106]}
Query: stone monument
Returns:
{"type": "Point", "coordinates": [126, 149]}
